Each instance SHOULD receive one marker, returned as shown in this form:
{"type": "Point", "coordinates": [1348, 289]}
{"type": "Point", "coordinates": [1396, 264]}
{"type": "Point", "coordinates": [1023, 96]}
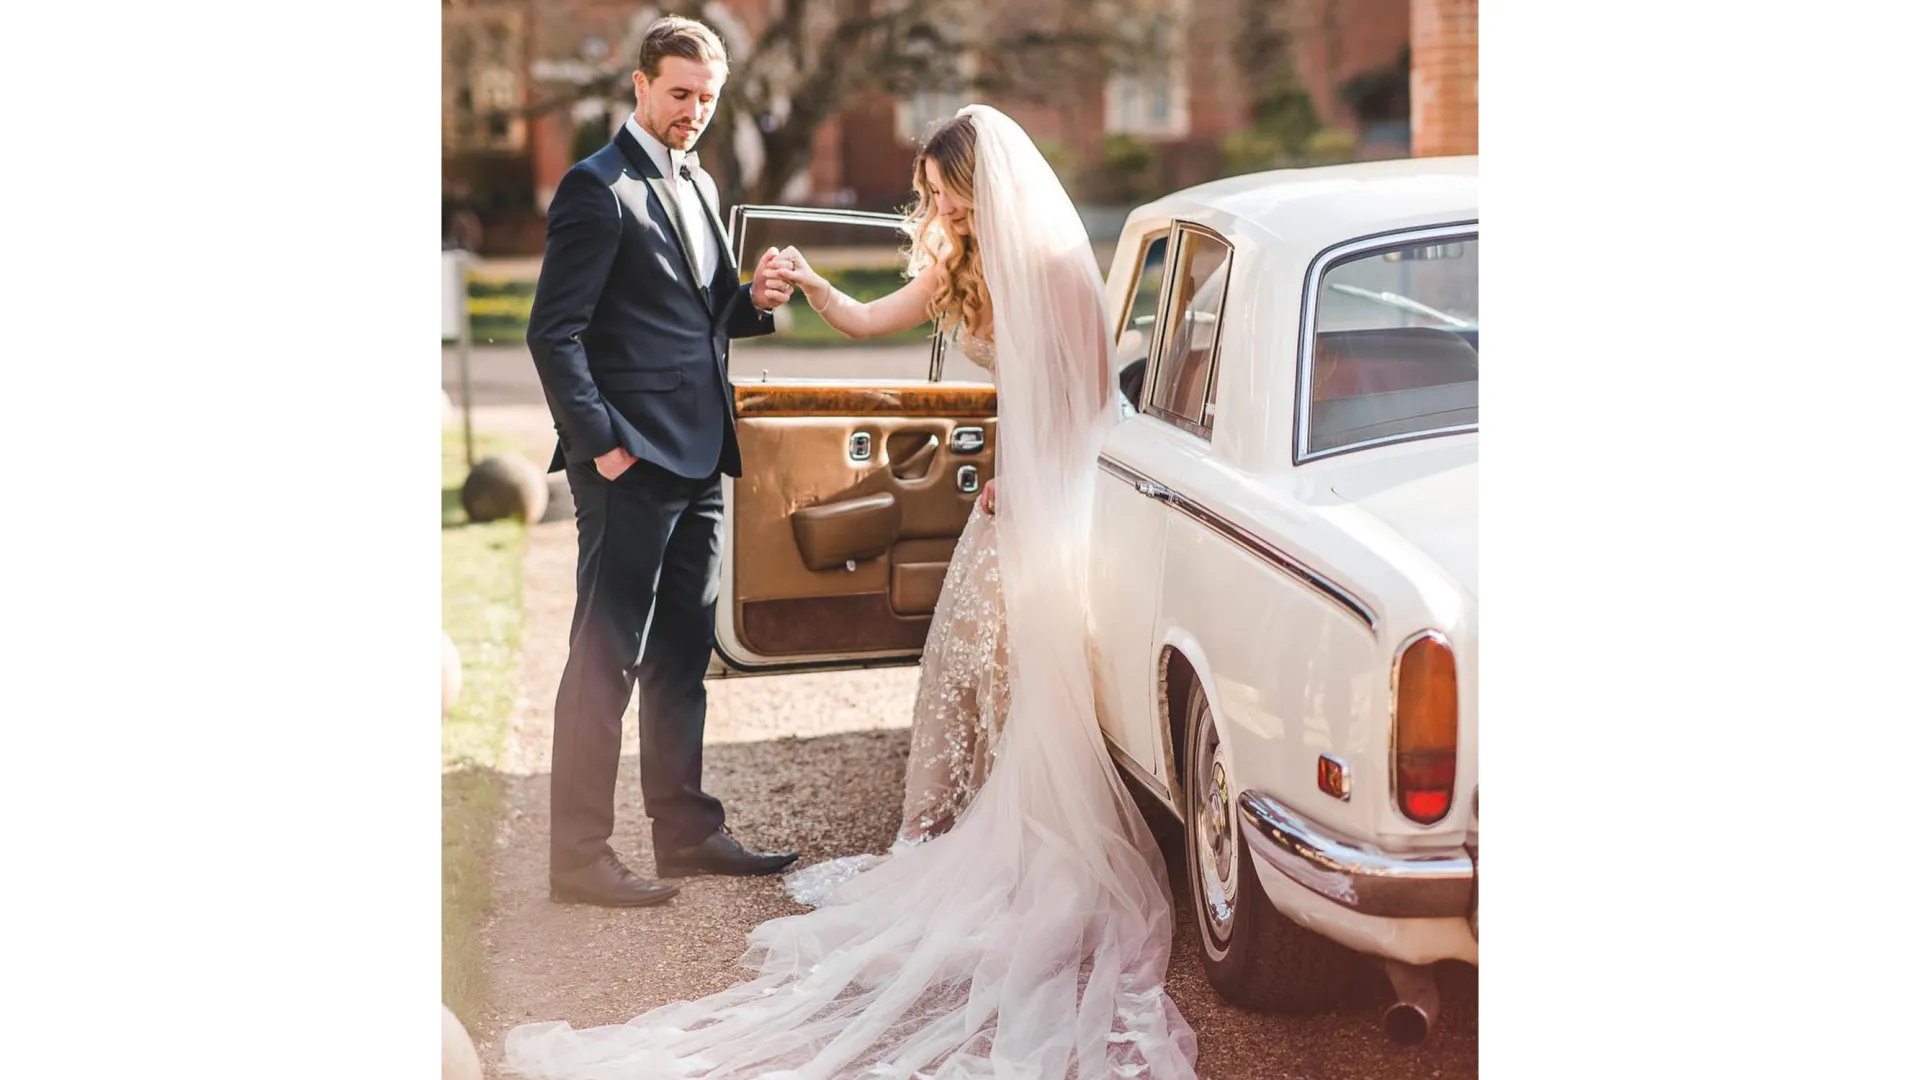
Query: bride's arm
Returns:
{"type": "Point", "coordinates": [902, 309]}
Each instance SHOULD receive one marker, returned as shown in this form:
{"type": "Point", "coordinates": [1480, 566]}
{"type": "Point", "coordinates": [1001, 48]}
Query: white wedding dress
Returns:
{"type": "Point", "coordinates": [1029, 941]}
{"type": "Point", "coordinates": [961, 705]}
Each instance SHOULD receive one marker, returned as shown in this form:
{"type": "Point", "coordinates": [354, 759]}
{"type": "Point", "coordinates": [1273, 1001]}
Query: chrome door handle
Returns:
{"type": "Point", "coordinates": [969, 440]}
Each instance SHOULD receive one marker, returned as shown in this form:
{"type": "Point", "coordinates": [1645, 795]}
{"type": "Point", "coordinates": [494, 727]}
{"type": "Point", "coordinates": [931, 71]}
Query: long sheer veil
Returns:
{"type": "Point", "coordinates": [1031, 940]}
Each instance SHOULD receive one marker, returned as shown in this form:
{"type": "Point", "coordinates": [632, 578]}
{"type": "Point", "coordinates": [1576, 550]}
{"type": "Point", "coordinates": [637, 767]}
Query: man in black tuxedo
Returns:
{"type": "Point", "coordinates": [638, 296]}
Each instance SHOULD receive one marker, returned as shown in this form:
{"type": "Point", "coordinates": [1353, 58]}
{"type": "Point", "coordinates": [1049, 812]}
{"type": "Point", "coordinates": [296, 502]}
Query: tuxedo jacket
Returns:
{"type": "Point", "coordinates": [630, 348]}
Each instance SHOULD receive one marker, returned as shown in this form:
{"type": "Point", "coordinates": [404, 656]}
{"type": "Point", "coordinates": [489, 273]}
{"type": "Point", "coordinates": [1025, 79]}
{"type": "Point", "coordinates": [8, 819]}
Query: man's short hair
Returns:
{"type": "Point", "coordinates": [686, 38]}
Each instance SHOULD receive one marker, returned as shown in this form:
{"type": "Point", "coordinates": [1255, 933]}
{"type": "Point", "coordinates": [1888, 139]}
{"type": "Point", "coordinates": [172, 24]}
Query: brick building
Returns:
{"type": "Point", "coordinates": [486, 51]}
{"type": "Point", "coordinates": [1446, 77]}
{"type": "Point", "coordinates": [1116, 139]}
{"type": "Point", "coordinates": [1339, 43]}
{"type": "Point", "coordinates": [1181, 104]}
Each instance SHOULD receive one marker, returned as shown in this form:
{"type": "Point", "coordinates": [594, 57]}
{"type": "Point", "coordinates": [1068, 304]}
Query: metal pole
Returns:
{"type": "Point", "coordinates": [466, 353]}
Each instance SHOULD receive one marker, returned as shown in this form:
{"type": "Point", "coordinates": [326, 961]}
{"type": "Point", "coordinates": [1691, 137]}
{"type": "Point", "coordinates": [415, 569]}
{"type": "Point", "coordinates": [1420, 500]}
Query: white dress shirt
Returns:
{"type": "Point", "coordinates": [703, 252]}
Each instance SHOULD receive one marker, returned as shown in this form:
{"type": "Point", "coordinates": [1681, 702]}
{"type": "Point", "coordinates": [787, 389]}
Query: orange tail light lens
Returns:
{"type": "Point", "coordinates": [1426, 729]}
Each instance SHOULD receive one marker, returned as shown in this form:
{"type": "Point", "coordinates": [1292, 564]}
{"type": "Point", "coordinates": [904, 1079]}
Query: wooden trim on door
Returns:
{"type": "Point", "coordinates": [797, 399]}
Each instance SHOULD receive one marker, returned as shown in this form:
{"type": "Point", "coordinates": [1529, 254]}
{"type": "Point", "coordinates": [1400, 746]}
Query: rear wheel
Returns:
{"type": "Point", "coordinates": [1254, 956]}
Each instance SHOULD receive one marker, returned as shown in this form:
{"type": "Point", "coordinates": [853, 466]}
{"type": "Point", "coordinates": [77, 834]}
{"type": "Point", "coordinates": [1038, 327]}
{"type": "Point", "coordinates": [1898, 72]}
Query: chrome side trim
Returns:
{"type": "Point", "coordinates": [1138, 771]}
{"type": "Point", "coordinates": [1125, 472]}
{"type": "Point", "coordinates": [1258, 547]}
{"type": "Point", "coordinates": [1360, 877]}
{"type": "Point", "coordinates": [1279, 559]}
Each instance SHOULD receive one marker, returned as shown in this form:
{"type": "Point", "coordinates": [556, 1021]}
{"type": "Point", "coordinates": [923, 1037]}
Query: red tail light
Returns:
{"type": "Point", "coordinates": [1426, 728]}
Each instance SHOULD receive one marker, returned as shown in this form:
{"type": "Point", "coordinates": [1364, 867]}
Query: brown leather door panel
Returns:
{"type": "Point", "coordinates": [919, 569]}
{"type": "Point", "coordinates": [833, 534]}
{"type": "Point", "coordinates": [805, 506]}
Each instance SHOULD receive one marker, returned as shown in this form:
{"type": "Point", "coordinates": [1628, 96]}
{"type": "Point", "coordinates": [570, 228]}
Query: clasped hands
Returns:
{"type": "Point", "coordinates": [779, 272]}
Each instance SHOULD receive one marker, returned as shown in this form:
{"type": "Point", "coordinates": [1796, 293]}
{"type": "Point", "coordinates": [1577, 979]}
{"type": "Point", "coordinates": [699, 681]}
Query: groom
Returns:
{"type": "Point", "coordinates": [638, 296]}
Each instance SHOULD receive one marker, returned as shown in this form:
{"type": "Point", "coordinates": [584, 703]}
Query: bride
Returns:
{"type": "Point", "coordinates": [1021, 926]}
{"type": "Point", "coordinates": [962, 699]}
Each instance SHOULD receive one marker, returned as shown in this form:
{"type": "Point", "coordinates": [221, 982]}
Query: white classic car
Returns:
{"type": "Point", "coordinates": [1284, 602]}
{"type": "Point", "coordinates": [1285, 587]}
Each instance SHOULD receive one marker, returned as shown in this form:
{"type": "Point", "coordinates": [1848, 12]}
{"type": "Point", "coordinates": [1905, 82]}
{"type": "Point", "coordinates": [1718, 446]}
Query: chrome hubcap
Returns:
{"type": "Point", "coordinates": [1217, 823]}
{"type": "Point", "coordinates": [1215, 847]}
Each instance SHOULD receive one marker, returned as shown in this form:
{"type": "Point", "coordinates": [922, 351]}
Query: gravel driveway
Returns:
{"type": "Point", "coordinates": [814, 763]}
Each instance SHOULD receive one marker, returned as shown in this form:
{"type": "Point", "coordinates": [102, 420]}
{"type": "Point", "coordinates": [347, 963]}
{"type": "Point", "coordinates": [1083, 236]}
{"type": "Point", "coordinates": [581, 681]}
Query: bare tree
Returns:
{"type": "Point", "coordinates": [810, 57]}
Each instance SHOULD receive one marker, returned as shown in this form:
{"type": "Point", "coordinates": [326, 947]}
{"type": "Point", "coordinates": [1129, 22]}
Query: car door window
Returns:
{"type": "Point", "coordinates": [864, 256]}
{"type": "Point", "coordinates": [1182, 390]}
{"type": "Point", "coordinates": [1134, 339]}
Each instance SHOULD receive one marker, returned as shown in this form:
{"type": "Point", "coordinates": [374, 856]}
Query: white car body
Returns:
{"type": "Point", "coordinates": [1289, 582]}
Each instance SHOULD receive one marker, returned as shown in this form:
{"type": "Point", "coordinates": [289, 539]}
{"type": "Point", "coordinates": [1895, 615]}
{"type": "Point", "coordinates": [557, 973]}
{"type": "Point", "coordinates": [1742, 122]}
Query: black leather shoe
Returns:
{"type": "Point", "coordinates": [720, 853]}
{"type": "Point", "coordinates": [608, 883]}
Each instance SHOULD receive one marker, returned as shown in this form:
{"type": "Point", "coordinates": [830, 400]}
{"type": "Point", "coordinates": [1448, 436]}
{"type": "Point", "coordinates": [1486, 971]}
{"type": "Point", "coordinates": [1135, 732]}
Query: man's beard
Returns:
{"type": "Point", "coordinates": [672, 134]}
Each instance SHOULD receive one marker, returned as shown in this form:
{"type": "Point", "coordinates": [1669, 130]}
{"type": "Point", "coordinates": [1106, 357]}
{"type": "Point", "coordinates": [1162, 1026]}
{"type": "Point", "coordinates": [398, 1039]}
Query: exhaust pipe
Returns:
{"type": "Point", "coordinates": [1416, 1006]}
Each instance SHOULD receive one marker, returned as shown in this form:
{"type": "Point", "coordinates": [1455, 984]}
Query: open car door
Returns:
{"type": "Point", "coordinates": [860, 464]}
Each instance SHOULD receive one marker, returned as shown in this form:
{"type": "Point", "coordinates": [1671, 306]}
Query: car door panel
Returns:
{"type": "Point", "coordinates": [834, 558]}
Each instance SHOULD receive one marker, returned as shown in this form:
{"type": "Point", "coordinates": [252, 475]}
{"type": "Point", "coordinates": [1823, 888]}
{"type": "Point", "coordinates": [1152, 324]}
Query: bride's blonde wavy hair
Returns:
{"type": "Point", "coordinates": [960, 300]}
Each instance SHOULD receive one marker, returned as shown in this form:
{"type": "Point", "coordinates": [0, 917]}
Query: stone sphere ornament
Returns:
{"type": "Point", "coordinates": [504, 486]}
{"type": "Point", "coordinates": [458, 1059]}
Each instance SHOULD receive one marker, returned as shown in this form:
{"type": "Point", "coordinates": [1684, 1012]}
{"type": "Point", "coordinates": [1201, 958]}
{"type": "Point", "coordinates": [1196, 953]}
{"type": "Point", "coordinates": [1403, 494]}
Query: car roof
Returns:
{"type": "Point", "coordinates": [1329, 204]}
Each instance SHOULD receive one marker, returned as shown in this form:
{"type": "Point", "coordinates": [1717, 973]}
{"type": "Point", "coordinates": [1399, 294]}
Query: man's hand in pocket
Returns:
{"type": "Point", "coordinates": [616, 461]}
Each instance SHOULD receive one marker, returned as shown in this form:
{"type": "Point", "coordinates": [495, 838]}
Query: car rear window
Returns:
{"type": "Point", "coordinates": [1396, 345]}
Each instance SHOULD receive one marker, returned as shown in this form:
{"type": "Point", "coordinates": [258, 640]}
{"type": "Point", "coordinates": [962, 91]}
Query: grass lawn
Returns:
{"type": "Point", "coordinates": [498, 308]}
{"type": "Point", "coordinates": [480, 609]}
{"type": "Point", "coordinates": [497, 311]}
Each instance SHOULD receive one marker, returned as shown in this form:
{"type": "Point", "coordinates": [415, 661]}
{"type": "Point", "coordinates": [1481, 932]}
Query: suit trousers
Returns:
{"type": "Point", "coordinates": [648, 577]}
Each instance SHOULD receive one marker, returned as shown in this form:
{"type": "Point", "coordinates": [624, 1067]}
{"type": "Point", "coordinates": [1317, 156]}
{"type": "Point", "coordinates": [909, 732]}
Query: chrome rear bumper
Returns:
{"type": "Point", "coordinates": [1359, 876]}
